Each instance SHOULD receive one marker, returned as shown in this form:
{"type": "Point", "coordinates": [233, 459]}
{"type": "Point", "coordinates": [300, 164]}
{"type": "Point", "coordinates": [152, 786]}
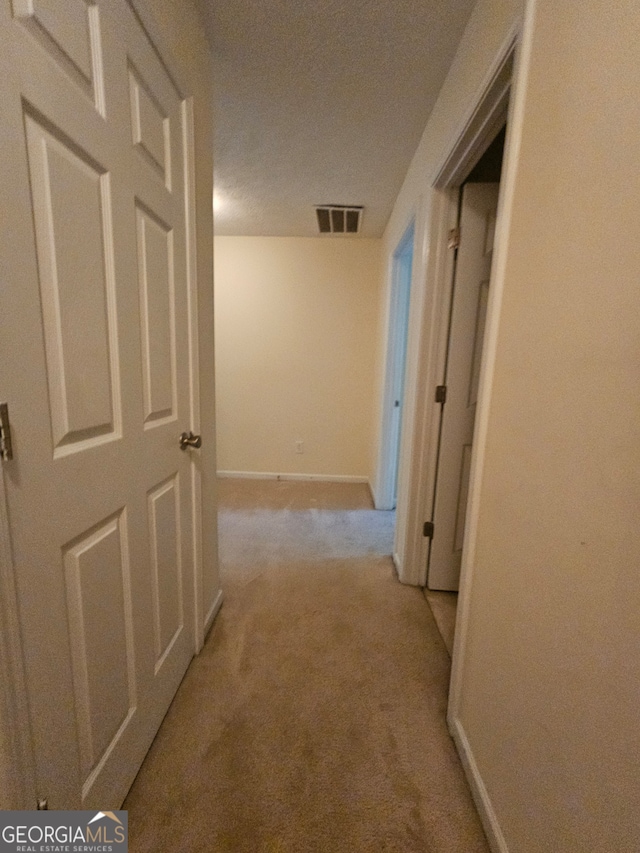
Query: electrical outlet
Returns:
{"type": "Point", "coordinates": [299, 446]}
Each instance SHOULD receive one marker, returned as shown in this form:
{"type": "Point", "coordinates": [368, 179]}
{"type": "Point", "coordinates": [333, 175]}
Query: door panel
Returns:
{"type": "Point", "coordinates": [69, 30]}
{"type": "Point", "coordinates": [157, 309]}
{"type": "Point", "coordinates": [94, 354]}
{"type": "Point", "coordinates": [97, 575]}
{"type": "Point", "coordinates": [466, 337]}
{"type": "Point", "coordinates": [71, 206]}
{"type": "Point", "coordinates": [165, 535]}
{"type": "Point", "coordinates": [150, 126]}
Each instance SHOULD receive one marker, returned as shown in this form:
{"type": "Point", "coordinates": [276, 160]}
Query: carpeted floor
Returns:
{"type": "Point", "coordinates": [314, 718]}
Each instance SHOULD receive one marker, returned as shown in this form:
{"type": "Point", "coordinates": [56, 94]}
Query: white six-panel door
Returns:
{"type": "Point", "coordinates": [466, 336]}
{"type": "Point", "coordinates": [94, 354]}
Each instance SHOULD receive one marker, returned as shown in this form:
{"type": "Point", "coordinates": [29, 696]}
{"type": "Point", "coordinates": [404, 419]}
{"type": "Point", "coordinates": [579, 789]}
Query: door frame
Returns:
{"type": "Point", "coordinates": [188, 146]}
{"type": "Point", "coordinates": [17, 761]}
{"type": "Point", "coordinates": [389, 453]}
{"type": "Point", "coordinates": [489, 110]}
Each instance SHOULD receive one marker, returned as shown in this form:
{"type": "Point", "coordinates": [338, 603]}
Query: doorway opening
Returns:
{"type": "Point", "coordinates": [477, 204]}
{"type": "Point", "coordinates": [393, 398]}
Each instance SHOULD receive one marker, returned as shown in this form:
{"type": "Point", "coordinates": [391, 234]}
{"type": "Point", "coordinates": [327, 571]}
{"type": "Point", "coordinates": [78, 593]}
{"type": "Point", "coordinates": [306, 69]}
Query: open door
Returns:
{"type": "Point", "coordinates": [479, 203]}
{"type": "Point", "coordinates": [94, 354]}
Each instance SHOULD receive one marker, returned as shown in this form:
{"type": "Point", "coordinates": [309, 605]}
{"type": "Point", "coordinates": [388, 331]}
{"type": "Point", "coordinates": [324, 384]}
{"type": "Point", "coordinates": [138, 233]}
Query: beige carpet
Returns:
{"type": "Point", "coordinates": [314, 718]}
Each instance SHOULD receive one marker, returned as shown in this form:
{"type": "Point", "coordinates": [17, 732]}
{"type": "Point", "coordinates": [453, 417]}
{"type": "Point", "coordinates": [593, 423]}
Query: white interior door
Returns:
{"type": "Point", "coordinates": [466, 336]}
{"type": "Point", "coordinates": [94, 359]}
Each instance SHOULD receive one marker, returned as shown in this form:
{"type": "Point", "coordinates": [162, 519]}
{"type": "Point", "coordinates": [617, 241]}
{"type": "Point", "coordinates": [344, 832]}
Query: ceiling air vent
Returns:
{"type": "Point", "coordinates": [339, 218]}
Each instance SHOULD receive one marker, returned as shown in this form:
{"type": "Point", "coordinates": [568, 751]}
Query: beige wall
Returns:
{"type": "Point", "coordinates": [489, 25]}
{"type": "Point", "coordinates": [180, 28]}
{"type": "Point", "coordinates": [296, 336]}
{"type": "Point", "coordinates": [551, 677]}
{"type": "Point", "coordinates": [549, 673]}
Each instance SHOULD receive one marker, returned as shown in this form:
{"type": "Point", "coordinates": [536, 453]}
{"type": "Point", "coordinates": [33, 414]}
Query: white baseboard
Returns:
{"type": "Point", "coordinates": [267, 475]}
{"type": "Point", "coordinates": [373, 497]}
{"type": "Point", "coordinates": [478, 790]}
{"type": "Point", "coordinates": [213, 612]}
{"type": "Point", "coordinates": [373, 488]}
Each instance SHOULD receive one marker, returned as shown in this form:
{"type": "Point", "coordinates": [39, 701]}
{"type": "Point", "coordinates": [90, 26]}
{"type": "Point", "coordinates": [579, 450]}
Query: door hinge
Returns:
{"type": "Point", "coordinates": [6, 449]}
{"type": "Point", "coordinates": [441, 393]}
{"type": "Point", "coordinates": [427, 530]}
{"type": "Point", "coordinates": [453, 238]}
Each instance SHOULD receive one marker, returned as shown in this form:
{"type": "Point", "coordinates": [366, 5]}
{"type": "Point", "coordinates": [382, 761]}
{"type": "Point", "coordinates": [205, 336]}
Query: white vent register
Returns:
{"type": "Point", "coordinates": [339, 218]}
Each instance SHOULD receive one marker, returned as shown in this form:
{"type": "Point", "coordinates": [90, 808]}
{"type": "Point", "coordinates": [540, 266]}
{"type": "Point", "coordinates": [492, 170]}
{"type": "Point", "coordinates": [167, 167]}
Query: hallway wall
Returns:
{"type": "Point", "coordinates": [546, 677]}
{"type": "Point", "coordinates": [549, 683]}
{"type": "Point", "coordinates": [296, 343]}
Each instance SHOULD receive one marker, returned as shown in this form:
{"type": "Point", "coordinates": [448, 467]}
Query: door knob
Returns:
{"type": "Point", "coordinates": [188, 439]}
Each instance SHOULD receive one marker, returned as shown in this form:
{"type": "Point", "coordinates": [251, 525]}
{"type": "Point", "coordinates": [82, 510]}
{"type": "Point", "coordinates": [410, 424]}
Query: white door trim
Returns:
{"type": "Point", "coordinates": [188, 147]}
{"type": "Point", "coordinates": [486, 113]}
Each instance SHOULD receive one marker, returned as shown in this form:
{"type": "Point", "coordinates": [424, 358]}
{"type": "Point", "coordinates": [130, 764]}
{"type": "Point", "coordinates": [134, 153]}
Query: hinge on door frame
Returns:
{"type": "Point", "coordinates": [6, 448]}
{"type": "Point", "coordinates": [453, 238]}
{"type": "Point", "coordinates": [427, 530]}
{"type": "Point", "coordinates": [441, 393]}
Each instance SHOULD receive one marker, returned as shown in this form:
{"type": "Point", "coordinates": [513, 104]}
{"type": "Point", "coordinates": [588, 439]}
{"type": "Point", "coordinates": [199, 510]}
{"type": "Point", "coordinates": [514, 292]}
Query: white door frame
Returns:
{"type": "Point", "coordinates": [188, 146]}
{"type": "Point", "coordinates": [396, 344]}
{"type": "Point", "coordinates": [486, 115]}
{"type": "Point", "coordinates": [17, 774]}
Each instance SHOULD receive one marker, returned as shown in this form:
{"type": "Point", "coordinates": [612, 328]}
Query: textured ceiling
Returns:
{"type": "Point", "coordinates": [321, 102]}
